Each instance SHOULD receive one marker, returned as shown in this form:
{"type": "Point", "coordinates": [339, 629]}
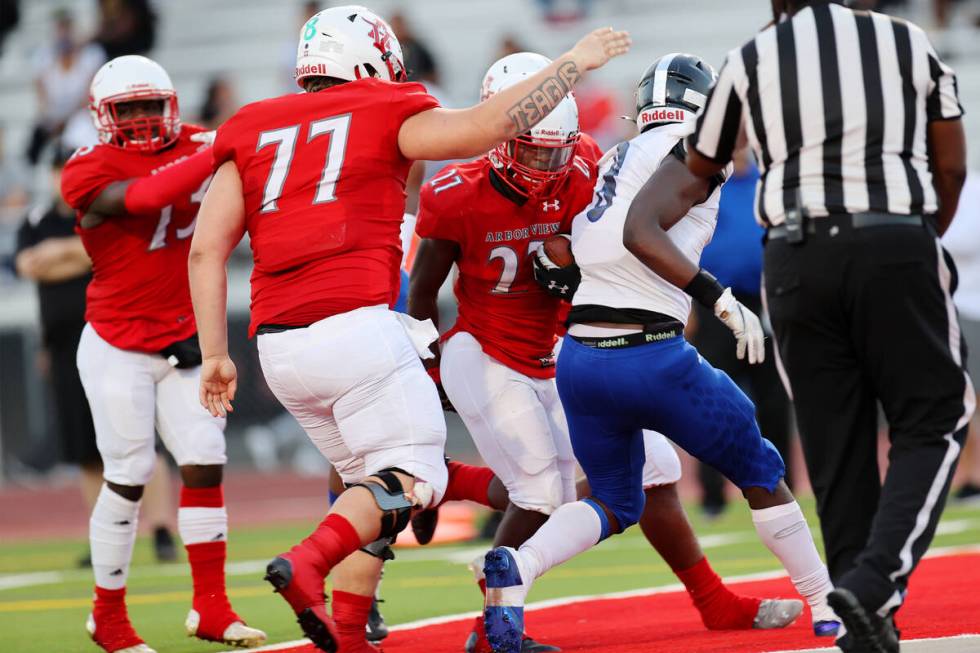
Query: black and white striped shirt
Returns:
{"type": "Point", "coordinates": [835, 104]}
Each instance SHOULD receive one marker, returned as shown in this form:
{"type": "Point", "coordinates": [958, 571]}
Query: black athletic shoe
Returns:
{"type": "Point", "coordinates": [424, 525]}
{"type": "Point", "coordinates": [163, 545]}
{"type": "Point", "coordinates": [377, 629]}
{"type": "Point", "coordinates": [968, 493]}
{"type": "Point", "coordinates": [866, 631]}
{"type": "Point", "coordinates": [85, 562]}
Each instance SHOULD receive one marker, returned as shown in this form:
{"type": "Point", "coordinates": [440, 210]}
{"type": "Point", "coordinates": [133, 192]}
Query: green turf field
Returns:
{"type": "Point", "coordinates": [422, 583]}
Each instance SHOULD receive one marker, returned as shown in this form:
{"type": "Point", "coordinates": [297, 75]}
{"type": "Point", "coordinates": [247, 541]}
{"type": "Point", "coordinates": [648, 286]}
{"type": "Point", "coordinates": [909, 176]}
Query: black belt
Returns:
{"type": "Point", "coordinates": [277, 328]}
{"type": "Point", "coordinates": [823, 225]}
{"type": "Point", "coordinates": [652, 333]}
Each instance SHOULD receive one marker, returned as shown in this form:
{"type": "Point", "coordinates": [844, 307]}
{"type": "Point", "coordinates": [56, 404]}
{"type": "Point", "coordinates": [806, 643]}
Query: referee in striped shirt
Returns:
{"type": "Point", "coordinates": [856, 125]}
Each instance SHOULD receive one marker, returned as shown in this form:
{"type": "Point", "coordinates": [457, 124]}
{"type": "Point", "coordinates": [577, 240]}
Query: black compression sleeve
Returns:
{"type": "Point", "coordinates": [704, 288]}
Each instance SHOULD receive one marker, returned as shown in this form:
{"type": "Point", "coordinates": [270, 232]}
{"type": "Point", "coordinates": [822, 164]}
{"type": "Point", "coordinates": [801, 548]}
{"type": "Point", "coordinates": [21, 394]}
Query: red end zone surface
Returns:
{"type": "Point", "coordinates": [942, 603]}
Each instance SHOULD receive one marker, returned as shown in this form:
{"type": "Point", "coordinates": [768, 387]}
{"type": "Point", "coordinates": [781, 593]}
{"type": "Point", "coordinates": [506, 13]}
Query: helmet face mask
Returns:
{"type": "Point", "coordinates": [134, 105]}
{"type": "Point", "coordinates": [145, 121]}
{"type": "Point", "coordinates": [534, 167]}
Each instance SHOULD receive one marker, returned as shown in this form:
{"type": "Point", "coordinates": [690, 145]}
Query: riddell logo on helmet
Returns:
{"type": "Point", "coordinates": [662, 115]}
{"type": "Point", "coordinates": [311, 69]}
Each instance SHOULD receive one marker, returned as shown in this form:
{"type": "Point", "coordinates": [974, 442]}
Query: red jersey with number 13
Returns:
{"type": "Point", "coordinates": [500, 303]}
{"type": "Point", "coordinates": [324, 188]}
{"type": "Point", "coordinates": [139, 298]}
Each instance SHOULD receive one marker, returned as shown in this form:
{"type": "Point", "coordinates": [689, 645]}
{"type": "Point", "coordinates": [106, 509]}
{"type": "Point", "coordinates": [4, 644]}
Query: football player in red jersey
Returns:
{"type": "Point", "coordinates": [136, 197]}
{"type": "Point", "coordinates": [489, 217]}
{"type": "Point", "coordinates": [317, 180]}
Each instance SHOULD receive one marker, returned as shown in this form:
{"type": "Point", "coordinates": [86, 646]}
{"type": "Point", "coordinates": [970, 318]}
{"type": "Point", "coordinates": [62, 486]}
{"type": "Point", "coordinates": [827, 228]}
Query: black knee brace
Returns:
{"type": "Point", "coordinates": [380, 548]}
{"type": "Point", "coordinates": [390, 496]}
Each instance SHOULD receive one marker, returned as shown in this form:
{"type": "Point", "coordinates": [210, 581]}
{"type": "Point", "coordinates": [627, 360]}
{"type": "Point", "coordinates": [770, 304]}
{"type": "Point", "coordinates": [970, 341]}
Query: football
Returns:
{"type": "Point", "coordinates": [559, 250]}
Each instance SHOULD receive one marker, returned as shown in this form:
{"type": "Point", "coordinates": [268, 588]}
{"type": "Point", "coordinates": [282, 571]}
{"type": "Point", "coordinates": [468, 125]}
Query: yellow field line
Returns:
{"type": "Point", "coordinates": [460, 580]}
{"type": "Point", "coordinates": [135, 599]}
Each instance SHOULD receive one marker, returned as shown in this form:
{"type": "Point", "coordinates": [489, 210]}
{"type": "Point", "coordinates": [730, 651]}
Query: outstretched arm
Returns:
{"type": "Point", "coordinates": [220, 226]}
{"type": "Point", "coordinates": [149, 194]}
{"type": "Point", "coordinates": [440, 134]}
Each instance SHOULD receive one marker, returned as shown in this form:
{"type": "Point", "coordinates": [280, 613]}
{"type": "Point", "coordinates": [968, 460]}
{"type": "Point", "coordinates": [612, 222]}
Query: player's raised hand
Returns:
{"type": "Point", "coordinates": [219, 381]}
{"type": "Point", "coordinates": [599, 46]}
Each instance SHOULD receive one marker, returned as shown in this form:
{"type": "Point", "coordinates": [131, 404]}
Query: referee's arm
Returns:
{"type": "Point", "coordinates": [947, 142]}
{"type": "Point", "coordinates": [711, 147]}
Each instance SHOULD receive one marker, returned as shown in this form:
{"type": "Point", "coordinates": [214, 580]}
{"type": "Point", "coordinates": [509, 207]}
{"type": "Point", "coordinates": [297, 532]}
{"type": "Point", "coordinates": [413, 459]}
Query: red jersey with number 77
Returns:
{"type": "Point", "coordinates": [139, 297]}
{"type": "Point", "coordinates": [500, 303]}
{"type": "Point", "coordinates": [324, 187]}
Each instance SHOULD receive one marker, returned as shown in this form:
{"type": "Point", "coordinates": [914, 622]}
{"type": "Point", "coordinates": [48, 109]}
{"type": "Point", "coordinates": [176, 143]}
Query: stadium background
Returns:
{"type": "Point", "coordinates": [250, 46]}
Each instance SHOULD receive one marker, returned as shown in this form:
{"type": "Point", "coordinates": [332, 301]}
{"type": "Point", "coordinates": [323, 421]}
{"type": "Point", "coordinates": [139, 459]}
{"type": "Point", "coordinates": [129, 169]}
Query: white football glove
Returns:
{"type": "Point", "coordinates": [204, 137]}
{"type": "Point", "coordinates": [744, 324]}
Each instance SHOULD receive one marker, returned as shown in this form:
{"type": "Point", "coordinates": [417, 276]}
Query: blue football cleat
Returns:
{"type": "Point", "coordinates": [826, 628]}
{"type": "Point", "coordinates": [503, 613]}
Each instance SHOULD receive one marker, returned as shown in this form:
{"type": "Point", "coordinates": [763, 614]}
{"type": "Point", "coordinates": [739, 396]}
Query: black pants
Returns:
{"type": "Point", "coordinates": [73, 415]}
{"type": "Point", "coordinates": [761, 383]}
{"type": "Point", "coordinates": [862, 316]}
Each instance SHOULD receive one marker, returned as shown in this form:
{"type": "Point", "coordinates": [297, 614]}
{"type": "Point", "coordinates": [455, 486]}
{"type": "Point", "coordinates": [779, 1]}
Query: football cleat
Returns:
{"type": "Point", "coordinates": [866, 631]}
{"type": "Point", "coordinates": [825, 622]}
{"type": "Point", "coordinates": [477, 642]}
{"type": "Point", "coordinates": [777, 613]}
{"type": "Point", "coordinates": [377, 629]}
{"type": "Point", "coordinates": [503, 613]}
{"type": "Point", "coordinates": [302, 587]}
{"type": "Point", "coordinates": [116, 635]}
{"type": "Point", "coordinates": [237, 633]}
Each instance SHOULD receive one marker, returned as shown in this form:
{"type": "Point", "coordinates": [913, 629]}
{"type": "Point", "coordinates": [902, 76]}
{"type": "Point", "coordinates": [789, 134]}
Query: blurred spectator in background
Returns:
{"type": "Point", "coordinates": [962, 240]}
{"type": "Point", "coordinates": [220, 102]}
{"type": "Point", "coordinates": [734, 255]}
{"type": "Point", "coordinates": [63, 71]}
{"type": "Point", "coordinates": [9, 18]}
{"type": "Point", "coordinates": [126, 27]}
{"type": "Point", "coordinates": [509, 44]}
{"type": "Point", "coordinates": [13, 186]}
{"type": "Point", "coordinates": [417, 57]}
{"type": "Point", "coordinates": [51, 254]}
{"type": "Point", "coordinates": [564, 11]}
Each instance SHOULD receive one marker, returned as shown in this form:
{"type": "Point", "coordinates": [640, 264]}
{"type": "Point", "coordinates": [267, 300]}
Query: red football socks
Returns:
{"type": "Point", "coordinates": [468, 482]}
{"type": "Point", "coordinates": [720, 608]}
{"type": "Point", "coordinates": [207, 561]}
{"type": "Point", "coordinates": [334, 539]}
{"type": "Point", "coordinates": [350, 613]}
{"type": "Point", "coordinates": [113, 631]}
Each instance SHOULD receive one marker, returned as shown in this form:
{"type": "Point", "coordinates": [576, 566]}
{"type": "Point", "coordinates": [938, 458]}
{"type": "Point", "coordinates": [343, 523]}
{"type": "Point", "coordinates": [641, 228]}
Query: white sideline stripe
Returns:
{"type": "Point", "coordinates": [15, 581]}
{"type": "Point", "coordinates": [922, 640]}
{"type": "Point", "coordinates": [457, 555]}
{"type": "Point", "coordinates": [649, 591]}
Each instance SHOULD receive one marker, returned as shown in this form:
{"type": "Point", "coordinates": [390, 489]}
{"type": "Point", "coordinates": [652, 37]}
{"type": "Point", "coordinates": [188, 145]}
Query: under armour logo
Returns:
{"type": "Point", "coordinates": [218, 537]}
{"type": "Point", "coordinates": [553, 285]}
{"type": "Point", "coordinates": [121, 522]}
{"type": "Point", "coordinates": [117, 572]}
{"type": "Point", "coordinates": [550, 206]}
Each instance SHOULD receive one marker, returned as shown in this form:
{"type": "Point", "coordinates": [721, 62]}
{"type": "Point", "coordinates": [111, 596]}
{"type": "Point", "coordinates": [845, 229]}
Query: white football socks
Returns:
{"type": "Point", "coordinates": [573, 528]}
{"type": "Point", "coordinates": [112, 533]}
{"type": "Point", "coordinates": [197, 525]}
{"type": "Point", "coordinates": [783, 529]}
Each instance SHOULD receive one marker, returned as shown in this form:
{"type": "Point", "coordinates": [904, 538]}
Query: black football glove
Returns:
{"type": "Point", "coordinates": [557, 282]}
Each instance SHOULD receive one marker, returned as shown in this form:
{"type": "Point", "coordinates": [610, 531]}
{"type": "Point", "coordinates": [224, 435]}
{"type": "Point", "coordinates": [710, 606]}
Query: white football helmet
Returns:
{"type": "Point", "coordinates": [510, 70]}
{"type": "Point", "coordinates": [133, 78]}
{"type": "Point", "coordinates": [536, 161]}
{"type": "Point", "coordinates": [348, 42]}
